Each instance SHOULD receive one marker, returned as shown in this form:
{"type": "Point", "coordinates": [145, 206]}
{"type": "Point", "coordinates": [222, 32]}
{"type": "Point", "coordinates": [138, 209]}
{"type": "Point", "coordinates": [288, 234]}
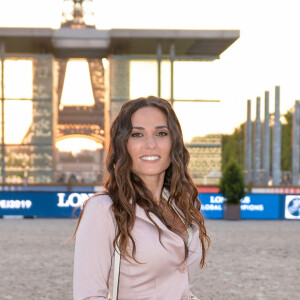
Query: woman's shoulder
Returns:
{"type": "Point", "coordinates": [97, 213]}
{"type": "Point", "coordinates": [100, 200]}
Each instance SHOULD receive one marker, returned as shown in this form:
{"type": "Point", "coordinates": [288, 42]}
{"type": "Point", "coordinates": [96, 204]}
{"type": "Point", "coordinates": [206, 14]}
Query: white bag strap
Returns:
{"type": "Point", "coordinates": [117, 262]}
{"type": "Point", "coordinates": [116, 273]}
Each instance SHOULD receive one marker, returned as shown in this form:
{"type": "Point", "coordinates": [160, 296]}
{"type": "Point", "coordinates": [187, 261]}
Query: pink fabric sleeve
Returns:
{"type": "Point", "coordinates": [93, 251]}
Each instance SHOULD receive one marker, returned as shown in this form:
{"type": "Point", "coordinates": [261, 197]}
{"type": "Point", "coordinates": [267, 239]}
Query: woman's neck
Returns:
{"type": "Point", "coordinates": [155, 186]}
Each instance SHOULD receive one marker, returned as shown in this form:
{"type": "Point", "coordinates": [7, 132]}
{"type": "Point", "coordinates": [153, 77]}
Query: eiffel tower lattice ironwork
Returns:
{"type": "Point", "coordinates": [75, 13]}
{"type": "Point", "coordinates": [83, 120]}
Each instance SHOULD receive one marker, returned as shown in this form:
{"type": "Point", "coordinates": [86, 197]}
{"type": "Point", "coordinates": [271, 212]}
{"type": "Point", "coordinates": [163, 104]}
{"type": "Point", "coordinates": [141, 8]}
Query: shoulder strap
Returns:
{"type": "Point", "coordinates": [116, 273]}
{"type": "Point", "coordinates": [117, 262]}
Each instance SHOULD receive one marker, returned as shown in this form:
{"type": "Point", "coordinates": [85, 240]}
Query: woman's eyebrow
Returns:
{"type": "Point", "coordinates": [161, 126]}
{"type": "Point", "coordinates": [139, 128]}
{"type": "Point", "coordinates": [156, 127]}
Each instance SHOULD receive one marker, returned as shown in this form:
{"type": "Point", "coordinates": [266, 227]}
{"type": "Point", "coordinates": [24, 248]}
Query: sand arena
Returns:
{"type": "Point", "coordinates": [248, 260]}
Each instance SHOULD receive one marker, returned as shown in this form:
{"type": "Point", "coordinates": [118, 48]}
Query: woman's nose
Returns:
{"type": "Point", "coordinates": [150, 142]}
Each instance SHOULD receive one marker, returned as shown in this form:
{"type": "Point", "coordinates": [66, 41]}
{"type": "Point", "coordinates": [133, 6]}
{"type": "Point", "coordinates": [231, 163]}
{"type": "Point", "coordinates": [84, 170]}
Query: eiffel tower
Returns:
{"type": "Point", "coordinates": [81, 120]}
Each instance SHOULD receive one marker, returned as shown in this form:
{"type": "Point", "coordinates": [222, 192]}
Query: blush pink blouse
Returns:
{"type": "Point", "coordinates": [161, 274]}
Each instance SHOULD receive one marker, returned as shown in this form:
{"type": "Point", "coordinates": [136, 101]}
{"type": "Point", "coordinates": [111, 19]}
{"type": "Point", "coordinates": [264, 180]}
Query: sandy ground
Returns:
{"type": "Point", "coordinates": [255, 260]}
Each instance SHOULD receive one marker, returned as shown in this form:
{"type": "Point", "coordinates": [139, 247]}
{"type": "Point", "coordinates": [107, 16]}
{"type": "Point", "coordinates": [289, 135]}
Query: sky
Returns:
{"type": "Point", "coordinates": [265, 55]}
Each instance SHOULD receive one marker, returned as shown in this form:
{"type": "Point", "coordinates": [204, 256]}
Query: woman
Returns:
{"type": "Point", "coordinates": [149, 209]}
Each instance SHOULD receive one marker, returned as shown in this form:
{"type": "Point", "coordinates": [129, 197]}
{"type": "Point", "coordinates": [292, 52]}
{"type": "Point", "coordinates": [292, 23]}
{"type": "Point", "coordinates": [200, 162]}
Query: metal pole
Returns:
{"type": "Point", "coordinates": [2, 46]}
{"type": "Point", "coordinates": [257, 145]}
{"type": "Point", "coordinates": [172, 57]}
{"type": "Point", "coordinates": [266, 145]}
{"type": "Point", "coordinates": [248, 142]}
{"type": "Point", "coordinates": [295, 144]}
{"type": "Point", "coordinates": [159, 55]}
{"type": "Point", "coordinates": [276, 140]}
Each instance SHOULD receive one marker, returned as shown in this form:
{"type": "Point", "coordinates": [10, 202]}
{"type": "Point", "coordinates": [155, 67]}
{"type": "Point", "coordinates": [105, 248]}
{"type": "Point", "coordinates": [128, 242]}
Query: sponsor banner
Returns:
{"type": "Point", "coordinates": [261, 206]}
{"type": "Point", "coordinates": [212, 205]}
{"type": "Point", "coordinates": [61, 204]}
{"type": "Point", "coordinates": [41, 205]}
{"type": "Point", "coordinates": [253, 206]}
{"type": "Point", "coordinates": [292, 207]}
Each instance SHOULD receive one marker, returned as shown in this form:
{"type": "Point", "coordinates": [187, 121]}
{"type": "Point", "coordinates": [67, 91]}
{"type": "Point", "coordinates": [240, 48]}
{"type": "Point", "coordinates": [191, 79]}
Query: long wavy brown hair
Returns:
{"type": "Point", "coordinates": [127, 190]}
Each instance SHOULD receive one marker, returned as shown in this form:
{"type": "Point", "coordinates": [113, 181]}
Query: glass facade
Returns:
{"type": "Point", "coordinates": [32, 123]}
{"type": "Point", "coordinates": [27, 144]}
{"type": "Point", "coordinates": [134, 78]}
{"type": "Point", "coordinates": [80, 123]}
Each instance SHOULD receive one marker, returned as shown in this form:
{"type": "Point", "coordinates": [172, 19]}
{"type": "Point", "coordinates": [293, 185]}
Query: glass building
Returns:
{"type": "Point", "coordinates": [34, 67]}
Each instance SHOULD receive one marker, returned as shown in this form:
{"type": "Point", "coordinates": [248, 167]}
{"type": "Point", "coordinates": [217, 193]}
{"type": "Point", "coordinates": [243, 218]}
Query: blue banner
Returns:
{"type": "Point", "coordinates": [212, 205]}
{"type": "Point", "coordinates": [253, 206]}
{"type": "Point", "coordinates": [41, 205]}
{"type": "Point", "coordinates": [63, 204]}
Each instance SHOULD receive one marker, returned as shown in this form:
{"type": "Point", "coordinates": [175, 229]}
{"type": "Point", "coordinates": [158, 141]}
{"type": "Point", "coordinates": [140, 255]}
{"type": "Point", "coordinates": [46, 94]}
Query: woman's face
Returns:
{"type": "Point", "coordinates": [149, 144]}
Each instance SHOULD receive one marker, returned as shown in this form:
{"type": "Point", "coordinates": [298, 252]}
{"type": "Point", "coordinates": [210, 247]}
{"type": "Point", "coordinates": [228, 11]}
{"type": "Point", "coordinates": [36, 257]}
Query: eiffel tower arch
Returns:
{"type": "Point", "coordinates": [84, 121]}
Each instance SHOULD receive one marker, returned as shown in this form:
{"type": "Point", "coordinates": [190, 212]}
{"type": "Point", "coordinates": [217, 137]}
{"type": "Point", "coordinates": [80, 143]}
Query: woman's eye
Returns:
{"type": "Point", "coordinates": [136, 134]}
{"type": "Point", "coordinates": [162, 133]}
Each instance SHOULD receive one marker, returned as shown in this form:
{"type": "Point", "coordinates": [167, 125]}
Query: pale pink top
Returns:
{"type": "Point", "coordinates": [162, 275]}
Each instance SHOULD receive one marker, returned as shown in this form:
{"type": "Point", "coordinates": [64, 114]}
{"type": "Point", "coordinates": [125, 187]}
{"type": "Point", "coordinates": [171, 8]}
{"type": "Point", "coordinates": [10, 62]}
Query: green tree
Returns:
{"type": "Point", "coordinates": [233, 146]}
{"type": "Point", "coordinates": [232, 185]}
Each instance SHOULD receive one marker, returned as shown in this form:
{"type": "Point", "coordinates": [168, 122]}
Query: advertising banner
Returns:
{"type": "Point", "coordinates": [253, 206]}
{"type": "Point", "coordinates": [261, 206]}
{"type": "Point", "coordinates": [41, 205]}
{"type": "Point", "coordinates": [65, 205]}
{"type": "Point", "coordinates": [292, 207]}
{"type": "Point", "coordinates": [212, 205]}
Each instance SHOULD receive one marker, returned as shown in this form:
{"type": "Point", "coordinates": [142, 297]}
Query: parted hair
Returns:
{"type": "Point", "coordinates": [127, 190]}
